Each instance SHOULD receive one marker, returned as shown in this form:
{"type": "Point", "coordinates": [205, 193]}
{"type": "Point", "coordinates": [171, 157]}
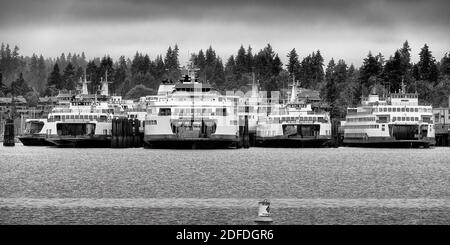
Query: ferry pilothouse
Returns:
{"type": "Point", "coordinates": [395, 121]}
{"type": "Point", "coordinates": [295, 124]}
{"type": "Point", "coordinates": [189, 114]}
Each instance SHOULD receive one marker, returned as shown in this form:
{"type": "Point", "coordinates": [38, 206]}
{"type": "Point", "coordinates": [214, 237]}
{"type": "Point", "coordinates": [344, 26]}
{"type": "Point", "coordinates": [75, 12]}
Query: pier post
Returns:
{"type": "Point", "coordinates": [120, 133]}
{"type": "Point", "coordinates": [113, 133]}
{"type": "Point", "coordinates": [246, 137]}
{"type": "Point", "coordinates": [335, 135]}
{"type": "Point", "coordinates": [8, 136]}
{"type": "Point", "coordinates": [137, 137]}
{"type": "Point", "coordinates": [130, 133]}
{"type": "Point", "coordinates": [241, 137]}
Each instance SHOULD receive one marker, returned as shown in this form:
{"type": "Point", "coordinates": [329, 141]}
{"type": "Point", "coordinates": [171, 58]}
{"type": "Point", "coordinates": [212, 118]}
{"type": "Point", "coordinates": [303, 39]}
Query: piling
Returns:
{"type": "Point", "coordinates": [246, 136]}
{"type": "Point", "coordinates": [130, 133]}
{"type": "Point", "coordinates": [8, 136]}
{"type": "Point", "coordinates": [120, 133]}
{"type": "Point", "coordinates": [137, 137]}
{"type": "Point", "coordinates": [336, 139]}
{"type": "Point", "coordinates": [241, 137]}
{"type": "Point", "coordinates": [114, 133]}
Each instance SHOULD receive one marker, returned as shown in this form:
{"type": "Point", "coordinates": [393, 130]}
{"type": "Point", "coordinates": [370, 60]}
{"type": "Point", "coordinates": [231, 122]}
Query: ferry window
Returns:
{"type": "Point", "coordinates": [164, 112]}
{"type": "Point", "coordinates": [77, 116]}
{"type": "Point", "coordinates": [403, 118]}
{"type": "Point", "coordinates": [384, 109]}
{"type": "Point", "coordinates": [86, 116]}
{"type": "Point", "coordinates": [389, 109]}
{"type": "Point", "coordinates": [72, 116]}
{"type": "Point", "coordinates": [416, 118]}
{"type": "Point", "coordinates": [393, 119]}
{"type": "Point", "coordinates": [95, 116]}
{"type": "Point", "coordinates": [407, 109]}
{"type": "Point", "coordinates": [403, 109]}
{"type": "Point", "coordinates": [416, 109]}
{"type": "Point", "coordinates": [407, 118]}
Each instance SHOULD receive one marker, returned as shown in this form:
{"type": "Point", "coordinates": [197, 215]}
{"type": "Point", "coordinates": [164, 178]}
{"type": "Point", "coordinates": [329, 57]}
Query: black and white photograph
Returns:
{"type": "Point", "coordinates": [236, 113]}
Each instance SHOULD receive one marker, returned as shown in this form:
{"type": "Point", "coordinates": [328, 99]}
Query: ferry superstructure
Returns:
{"type": "Point", "coordinates": [395, 121]}
{"type": "Point", "coordinates": [295, 124]}
{"type": "Point", "coordinates": [189, 114]}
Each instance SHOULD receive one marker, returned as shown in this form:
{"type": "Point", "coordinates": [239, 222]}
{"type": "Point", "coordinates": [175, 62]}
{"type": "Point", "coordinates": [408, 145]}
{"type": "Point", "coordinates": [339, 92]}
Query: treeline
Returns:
{"type": "Point", "coordinates": [341, 85]}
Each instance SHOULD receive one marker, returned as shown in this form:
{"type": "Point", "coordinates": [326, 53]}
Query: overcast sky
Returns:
{"type": "Point", "coordinates": [345, 29]}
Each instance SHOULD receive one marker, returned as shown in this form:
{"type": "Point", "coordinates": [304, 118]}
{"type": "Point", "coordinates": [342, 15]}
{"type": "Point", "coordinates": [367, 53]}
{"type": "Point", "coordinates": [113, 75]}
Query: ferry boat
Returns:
{"type": "Point", "coordinates": [295, 124]}
{"type": "Point", "coordinates": [82, 120]}
{"type": "Point", "coordinates": [395, 121]}
{"type": "Point", "coordinates": [189, 114]}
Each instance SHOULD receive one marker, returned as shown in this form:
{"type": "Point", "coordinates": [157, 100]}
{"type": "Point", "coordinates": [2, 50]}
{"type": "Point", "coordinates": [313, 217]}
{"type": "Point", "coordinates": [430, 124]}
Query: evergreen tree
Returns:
{"type": "Point", "coordinates": [106, 67]}
{"type": "Point", "coordinates": [92, 73]}
{"type": "Point", "coordinates": [172, 64]}
{"type": "Point", "coordinates": [427, 69]}
{"type": "Point", "coordinates": [405, 56]}
{"type": "Point", "coordinates": [318, 74]}
{"type": "Point", "coordinates": [329, 71]}
{"type": "Point", "coordinates": [293, 65]}
{"type": "Point", "coordinates": [19, 86]}
{"type": "Point", "coordinates": [341, 72]}
{"type": "Point", "coordinates": [55, 80]}
{"type": "Point", "coordinates": [249, 59]}
{"type": "Point", "coordinates": [69, 79]}
{"type": "Point", "coordinates": [369, 72]}
{"type": "Point", "coordinates": [120, 73]}
{"type": "Point", "coordinates": [41, 74]}
{"type": "Point", "coordinates": [3, 88]}
{"type": "Point", "coordinates": [230, 71]}
{"type": "Point", "coordinates": [445, 65]}
{"type": "Point", "coordinates": [159, 68]}
{"type": "Point", "coordinates": [393, 72]}
{"type": "Point", "coordinates": [241, 62]}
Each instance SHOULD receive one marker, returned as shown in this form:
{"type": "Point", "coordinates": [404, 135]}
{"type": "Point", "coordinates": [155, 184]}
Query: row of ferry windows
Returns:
{"type": "Point", "coordinates": [90, 117]}
{"type": "Point", "coordinates": [405, 119]}
{"type": "Point", "coordinates": [362, 126]}
{"type": "Point", "coordinates": [361, 119]}
{"type": "Point", "coordinates": [403, 109]}
{"type": "Point", "coordinates": [286, 119]}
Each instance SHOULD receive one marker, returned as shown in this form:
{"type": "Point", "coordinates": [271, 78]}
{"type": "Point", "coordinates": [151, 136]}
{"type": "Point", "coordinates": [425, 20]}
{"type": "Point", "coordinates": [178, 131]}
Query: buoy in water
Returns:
{"type": "Point", "coordinates": [264, 215]}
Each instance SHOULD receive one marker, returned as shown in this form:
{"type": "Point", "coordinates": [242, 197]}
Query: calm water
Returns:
{"type": "Point", "coordinates": [44, 185]}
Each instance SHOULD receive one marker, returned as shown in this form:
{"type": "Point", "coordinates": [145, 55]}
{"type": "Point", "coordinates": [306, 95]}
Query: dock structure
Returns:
{"type": "Point", "coordinates": [8, 136]}
{"type": "Point", "coordinates": [244, 136]}
{"type": "Point", "coordinates": [125, 133]}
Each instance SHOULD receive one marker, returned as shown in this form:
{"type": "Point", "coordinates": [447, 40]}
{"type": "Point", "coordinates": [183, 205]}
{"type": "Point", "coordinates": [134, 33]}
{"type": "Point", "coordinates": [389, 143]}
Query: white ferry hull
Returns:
{"type": "Point", "coordinates": [293, 142]}
{"type": "Point", "coordinates": [174, 142]}
{"type": "Point", "coordinates": [388, 142]}
{"type": "Point", "coordinates": [95, 141]}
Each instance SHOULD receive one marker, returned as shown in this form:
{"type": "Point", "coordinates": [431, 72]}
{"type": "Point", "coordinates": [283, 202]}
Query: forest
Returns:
{"type": "Point", "coordinates": [340, 84]}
